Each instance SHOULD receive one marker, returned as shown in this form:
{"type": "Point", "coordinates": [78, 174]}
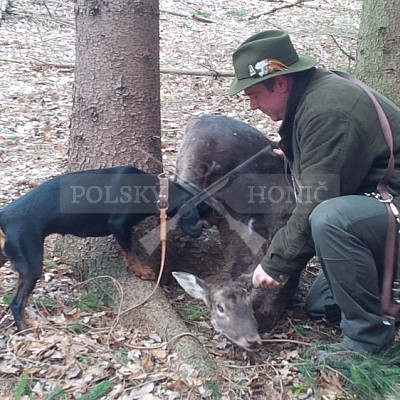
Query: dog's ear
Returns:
{"type": "Point", "coordinates": [189, 221]}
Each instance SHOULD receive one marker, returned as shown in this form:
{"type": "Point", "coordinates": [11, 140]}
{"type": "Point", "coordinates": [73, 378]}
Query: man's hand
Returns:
{"type": "Point", "coordinates": [262, 280]}
{"type": "Point", "coordinates": [280, 153]}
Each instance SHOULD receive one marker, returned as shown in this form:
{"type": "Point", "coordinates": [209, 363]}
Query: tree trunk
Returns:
{"type": "Point", "coordinates": [116, 104]}
{"type": "Point", "coordinates": [379, 47]}
{"type": "Point", "coordinates": [116, 121]}
{"type": "Point", "coordinates": [116, 111]}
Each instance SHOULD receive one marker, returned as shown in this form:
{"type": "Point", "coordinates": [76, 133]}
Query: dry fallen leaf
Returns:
{"type": "Point", "coordinates": [142, 391]}
{"type": "Point", "coordinates": [330, 385]}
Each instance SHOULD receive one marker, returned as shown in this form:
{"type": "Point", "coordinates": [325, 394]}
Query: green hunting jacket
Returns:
{"type": "Point", "coordinates": [335, 146]}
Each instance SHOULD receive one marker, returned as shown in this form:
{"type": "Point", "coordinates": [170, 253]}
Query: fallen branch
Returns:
{"type": "Point", "coordinates": [200, 18]}
{"type": "Point", "coordinates": [194, 16]}
{"type": "Point", "coordinates": [348, 55]}
{"type": "Point", "coordinates": [276, 9]}
{"type": "Point", "coordinates": [37, 63]}
{"type": "Point", "coordinates": [197, 72]}
{"type": "Point", "coordinates": [287, 341]}
{"type": "Point", "coordinates": [173, 71]}
{"type": "Point", "coordinates": [164, 344]}
{"type": "Point", "coordinates": [177, 13]}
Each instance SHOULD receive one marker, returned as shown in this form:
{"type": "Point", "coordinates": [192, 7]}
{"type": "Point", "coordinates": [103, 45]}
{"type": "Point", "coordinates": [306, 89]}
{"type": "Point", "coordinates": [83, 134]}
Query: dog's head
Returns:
{"type": "Point", "coordinates": [190, 222]}
{"type": "Point", "coordinates": [190, 208]}
{"type": "Point", "coordinates": [191, 219]}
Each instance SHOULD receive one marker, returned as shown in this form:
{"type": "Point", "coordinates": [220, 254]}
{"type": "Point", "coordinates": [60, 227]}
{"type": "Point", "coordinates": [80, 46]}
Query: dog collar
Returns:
{"type": "Point", "coordinates": [162, 202]}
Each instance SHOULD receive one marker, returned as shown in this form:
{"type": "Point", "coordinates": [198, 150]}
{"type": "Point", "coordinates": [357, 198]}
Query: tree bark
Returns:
{"type": "Point", "coordinates": [379, 47]}
{"type": "Point", "coordinates": [116, 106]}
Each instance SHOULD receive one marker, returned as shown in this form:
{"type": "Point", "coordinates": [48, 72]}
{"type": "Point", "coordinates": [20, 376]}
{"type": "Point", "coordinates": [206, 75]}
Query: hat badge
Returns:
{"type": "Point", "coordinates": [267, 66]}
{"type": "Point", "coordinates": [252, 70]}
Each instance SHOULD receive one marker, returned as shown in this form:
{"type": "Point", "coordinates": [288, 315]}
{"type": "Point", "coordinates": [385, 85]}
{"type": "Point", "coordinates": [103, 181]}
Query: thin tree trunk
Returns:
{"type": "Point", "coordinates": [379, 47]}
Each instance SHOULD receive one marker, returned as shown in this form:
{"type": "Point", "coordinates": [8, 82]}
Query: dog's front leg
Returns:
{"type": "Point", "coordinates": [122, 233]}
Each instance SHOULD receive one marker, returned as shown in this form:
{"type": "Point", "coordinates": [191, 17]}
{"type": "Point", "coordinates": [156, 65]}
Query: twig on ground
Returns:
{"type": "Point", "coordinates": [171, 71]}
{"type": "Point", "coordinates": [276, 9]}
{"type": "Point", "coordinates": [198, 72]}
{"type": "Point", "coordinates": [194, 16]}
{"type": "Point", "coordinates": [352, 58]}
{"type": "Point", "coordinates": [121, 292]}
{"type": "Point", "coordinates": [286, 341]}
{"type": "Point", "coordinates": [163, 344]}
{"type": "Point", "coordinates": [38, 63]}
{"type": "Point", "coordinates": [278, 376]}
{"type": "Point", "coordinates": [177, 13]}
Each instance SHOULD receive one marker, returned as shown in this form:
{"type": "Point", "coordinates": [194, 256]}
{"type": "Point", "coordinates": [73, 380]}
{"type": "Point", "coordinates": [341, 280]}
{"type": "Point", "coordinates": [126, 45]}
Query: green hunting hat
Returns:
{"type": "Point", "coordinates": [265, 55]}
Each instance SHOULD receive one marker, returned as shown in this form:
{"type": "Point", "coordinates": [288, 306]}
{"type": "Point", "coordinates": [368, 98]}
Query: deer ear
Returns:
{"type": "Point", "coordinates": [193, 286]}
{"type": "Point", "coordinates": [246, 280]}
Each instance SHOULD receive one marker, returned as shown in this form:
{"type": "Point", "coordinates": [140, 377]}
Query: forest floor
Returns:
{"type": "Point", "coordinates": [72, 351]}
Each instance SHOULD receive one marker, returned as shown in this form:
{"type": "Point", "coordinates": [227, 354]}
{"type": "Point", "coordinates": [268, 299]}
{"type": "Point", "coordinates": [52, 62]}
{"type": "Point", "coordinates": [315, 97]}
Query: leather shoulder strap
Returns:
{"type": "Point", "coordinates": [387, 131]}
{"type": "Point", "coordinates": [391, 274]}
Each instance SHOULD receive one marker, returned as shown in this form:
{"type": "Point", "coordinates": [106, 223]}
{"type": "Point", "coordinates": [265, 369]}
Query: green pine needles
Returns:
{"type": "Point", "coordinates": [98, 391]}
{"type": "Point", "coordinates": [22, 387]}
{"type": "Point", "coordinates": [366, 376]}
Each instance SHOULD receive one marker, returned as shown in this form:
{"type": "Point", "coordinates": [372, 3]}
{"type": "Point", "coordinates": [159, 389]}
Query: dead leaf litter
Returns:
{"type": "Point", "coordinates": [77, 350]}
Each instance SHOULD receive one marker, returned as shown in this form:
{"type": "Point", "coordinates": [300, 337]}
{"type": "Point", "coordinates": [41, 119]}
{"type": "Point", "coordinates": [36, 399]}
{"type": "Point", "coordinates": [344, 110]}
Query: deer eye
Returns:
{"type": "Point", "coordinates": [220, 308]}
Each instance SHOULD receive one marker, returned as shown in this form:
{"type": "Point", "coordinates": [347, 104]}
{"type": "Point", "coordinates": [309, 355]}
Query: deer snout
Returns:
{"type": "Point", "coordinates": [251, 343]}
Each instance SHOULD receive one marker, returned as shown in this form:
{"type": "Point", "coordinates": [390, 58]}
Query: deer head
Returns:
{"type": "Point", "coordinates": [229, 304]}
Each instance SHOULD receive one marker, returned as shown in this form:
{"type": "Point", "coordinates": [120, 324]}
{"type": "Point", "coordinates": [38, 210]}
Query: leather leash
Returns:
{"type": "Point", "coordinates": [162, 205]}
{"type": "Point", "coordinates": [390, 299]}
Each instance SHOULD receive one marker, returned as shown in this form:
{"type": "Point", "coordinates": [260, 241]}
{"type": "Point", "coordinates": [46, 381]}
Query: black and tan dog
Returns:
{"type": "Point", "coordinates": [89, 203]}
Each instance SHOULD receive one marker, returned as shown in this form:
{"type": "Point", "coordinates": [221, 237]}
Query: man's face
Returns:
{"type": "Point", "coordinates": [271, 103]}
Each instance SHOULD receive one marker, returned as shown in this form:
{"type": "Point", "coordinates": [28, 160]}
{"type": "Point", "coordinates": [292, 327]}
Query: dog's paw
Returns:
{"type": "Point", "coordinates": [148, 274]}
{"type": "Point", "coordinates": [143, 272]}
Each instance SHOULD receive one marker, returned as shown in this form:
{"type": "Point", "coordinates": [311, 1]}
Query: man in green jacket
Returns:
{"type": "Point", "coordinates": [334, 144]}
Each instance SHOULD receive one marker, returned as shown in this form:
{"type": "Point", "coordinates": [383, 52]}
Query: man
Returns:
{"type": "Point", "coordinates": [333, 141]}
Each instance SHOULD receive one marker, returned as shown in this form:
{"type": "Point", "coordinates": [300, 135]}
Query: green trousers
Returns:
{"type": "Point", "coordinates": [349, 236]}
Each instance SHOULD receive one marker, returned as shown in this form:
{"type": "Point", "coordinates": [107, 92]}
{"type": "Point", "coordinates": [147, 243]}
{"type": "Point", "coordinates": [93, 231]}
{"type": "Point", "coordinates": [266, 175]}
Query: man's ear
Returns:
{"type": "Point", "coordinates": [283, 83]}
